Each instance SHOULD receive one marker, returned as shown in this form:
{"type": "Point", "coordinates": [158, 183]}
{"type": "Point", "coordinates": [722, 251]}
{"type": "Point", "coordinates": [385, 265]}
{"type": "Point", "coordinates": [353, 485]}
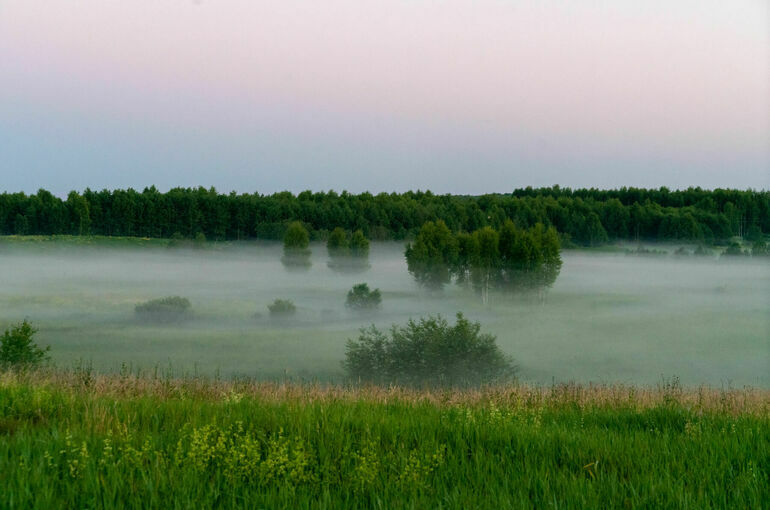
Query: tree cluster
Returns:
{"type": "Point", "coordinates": [347, 252]}
{"type": "Point", "coordinates": [584, 216]}
{"type": "Point", "coordinates": [167, 309]}
{"type": "Point", "coordinates": [509, 258]}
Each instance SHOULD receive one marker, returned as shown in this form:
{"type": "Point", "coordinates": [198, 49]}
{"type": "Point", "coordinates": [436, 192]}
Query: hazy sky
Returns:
{"type": "Point", "coordinates": [455, 96]}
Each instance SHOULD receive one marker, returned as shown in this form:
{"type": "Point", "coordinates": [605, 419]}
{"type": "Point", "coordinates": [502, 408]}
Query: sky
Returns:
{"type": "Point", "coordinates": [455, 96]}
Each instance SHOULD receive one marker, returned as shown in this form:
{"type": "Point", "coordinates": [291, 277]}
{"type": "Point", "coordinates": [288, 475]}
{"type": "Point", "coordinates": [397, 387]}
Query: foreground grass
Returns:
{"type": "Point", "coordinates": [77, 440]}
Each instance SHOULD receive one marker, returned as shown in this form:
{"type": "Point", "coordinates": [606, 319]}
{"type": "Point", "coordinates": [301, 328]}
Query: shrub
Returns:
{"type": "Point", "coordinates": [702, 251]}
{"type": "Point", "coordinates": [733, 249]}
{"type": "Point", "coordinates": [282, 308]}
{"type": "Point", "coordinates": [164, 309]}
{"type": "Point", "coordinates": [428, 353]}
{"type": "Point", "coordinates": [18, 349]}
{"type": "Point", "coordinates": [361, 298]}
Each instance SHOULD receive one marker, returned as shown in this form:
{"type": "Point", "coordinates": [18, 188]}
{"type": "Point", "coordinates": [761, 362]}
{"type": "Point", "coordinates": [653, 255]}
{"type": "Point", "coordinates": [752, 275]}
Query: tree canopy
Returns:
{"type": "Point", "coordinates": [584, 216]}
{"type": "Point", "coordinates": [508, 258]}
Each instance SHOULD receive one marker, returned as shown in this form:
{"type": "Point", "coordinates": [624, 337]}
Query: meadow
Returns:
{"type": "Point", "coordinates": [610, 317]}
{"type": "Point", "coordinates": [642, 383]}
{"type": "Point", "coordinates": [80, 440]}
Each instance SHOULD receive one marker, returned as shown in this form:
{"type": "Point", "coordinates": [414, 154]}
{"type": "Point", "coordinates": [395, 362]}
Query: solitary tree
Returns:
{"type": "Point", "coordinates": [17, 349]}
{"type": "Point", "coordinates": [296, 251]}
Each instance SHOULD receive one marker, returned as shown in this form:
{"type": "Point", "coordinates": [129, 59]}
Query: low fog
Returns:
{"type": "Point", "coordinates": [609, 318]}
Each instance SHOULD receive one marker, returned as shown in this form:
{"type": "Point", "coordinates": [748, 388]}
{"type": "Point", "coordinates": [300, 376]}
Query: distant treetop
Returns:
{"type": "Point", "coordinates": [581, 216]}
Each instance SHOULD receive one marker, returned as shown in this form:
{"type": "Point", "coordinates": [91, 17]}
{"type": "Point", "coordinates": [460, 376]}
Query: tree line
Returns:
{"type": "Point", "coordinates": [582, 216]}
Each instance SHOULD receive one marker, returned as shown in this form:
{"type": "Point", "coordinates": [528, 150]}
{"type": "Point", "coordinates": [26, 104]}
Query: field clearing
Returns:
{"type": "Point", "coordinates": [78, 439]}
{"type": "Point", "coordinates": [609, 318]}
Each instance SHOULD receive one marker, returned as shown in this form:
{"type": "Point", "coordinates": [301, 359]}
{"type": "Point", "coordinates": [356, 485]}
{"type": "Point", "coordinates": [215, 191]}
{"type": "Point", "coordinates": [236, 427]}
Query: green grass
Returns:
{"type": "Point", "coordinates": [77, 440]}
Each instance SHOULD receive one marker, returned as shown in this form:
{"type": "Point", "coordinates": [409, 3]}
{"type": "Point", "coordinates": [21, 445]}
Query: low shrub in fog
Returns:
{"type": "Point", "coordinates": [733, 249]}
{"type": "Point", "coordinates": [17, 349]}
{"type": "Point", "coordinates": [702, 251]}
{"type": "Point", "coordinates": [282, 308]}
{"type": "Point", "coordinates": [361, 298]}
{"type": "Point", "coordinates": [165, 309]}
{"type": "Point", "coordinates": [428, 352]}
{"type": "Point", "coordinates": [759, 249]}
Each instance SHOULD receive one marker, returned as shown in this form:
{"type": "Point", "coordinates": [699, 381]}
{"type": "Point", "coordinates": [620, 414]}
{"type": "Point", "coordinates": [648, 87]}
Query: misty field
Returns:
{"type": "Point", "coordinates": [609, 318]}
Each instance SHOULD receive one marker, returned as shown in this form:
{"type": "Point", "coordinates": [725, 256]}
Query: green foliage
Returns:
{"type": "Point", "coordinates": [510, 259]}
{"type": "Point", "coordinates": [348, 253]}
{"type": "Point", "coordinates": [167, 309]}
{"type": "Point", "coordinates": [753, 233]}
{"type": "Point", "coordinates": [17, 348]}
{"type": "Point", "coordinates": [587, 216]}
{"type": "Point", "coordinates": [428, 352]}
{"type": "Point", "coordinates": [296, 254]}
{"type": "Point", "coordinates": [359, 244]}
{"type": "Point", "coordinates": [733, 249]}
{"type": "Point", "coordinates": [337, 243]}
{"type": "Point", "coordinates": [361, 298]}
{"type": "Point", "coordinates": [282, 308]}
{"type": "Point", "coordinates": [296, 237]}
{"type": "Point", "coordinates": [759, 249]}
{"type": "Point", "coordinates": [702, 251]}
{"type": "Point", "coordinates": [432, 254]}
{"type": "Point", "coordinates": [144, 443]}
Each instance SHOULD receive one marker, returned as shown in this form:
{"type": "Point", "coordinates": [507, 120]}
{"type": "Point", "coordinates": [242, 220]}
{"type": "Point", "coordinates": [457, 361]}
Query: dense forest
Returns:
{"type": "Point", "coordinates": [581, 216]}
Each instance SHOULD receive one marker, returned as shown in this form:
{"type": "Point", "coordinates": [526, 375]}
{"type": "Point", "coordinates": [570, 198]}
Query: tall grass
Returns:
{"type": "Point", "coordinates": [77, 440]}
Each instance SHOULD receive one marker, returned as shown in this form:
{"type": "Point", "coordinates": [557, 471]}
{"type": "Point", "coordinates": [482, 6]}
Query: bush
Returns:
{"type": "Point", "coordinates": [361, 298]}
{"type": "Point", "coordinates": [428, 353]}
{"type": "Point", "coordinates": [282, 308]}
{"type": "Point", "coordinates": [733, 249]}
{"type": "Point", "coordinates": [164, 309]}
{"type": "Point", "coordinates": [17, 348]}
{"type": "Point", "coordinates": [702, 251]}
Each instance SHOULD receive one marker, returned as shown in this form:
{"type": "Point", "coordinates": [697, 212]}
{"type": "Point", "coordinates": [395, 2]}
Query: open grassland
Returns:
{"type": "Point", "coordinates": [80, 440]}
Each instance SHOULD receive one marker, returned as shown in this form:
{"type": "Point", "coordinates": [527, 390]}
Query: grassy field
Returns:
{"type": "Point", "coordinates": [80, 440]}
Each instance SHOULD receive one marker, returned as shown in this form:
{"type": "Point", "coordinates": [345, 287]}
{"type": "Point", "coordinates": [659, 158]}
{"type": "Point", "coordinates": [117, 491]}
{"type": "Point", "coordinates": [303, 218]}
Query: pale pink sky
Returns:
{"type": "Point", "coordinates": [455, 96]}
